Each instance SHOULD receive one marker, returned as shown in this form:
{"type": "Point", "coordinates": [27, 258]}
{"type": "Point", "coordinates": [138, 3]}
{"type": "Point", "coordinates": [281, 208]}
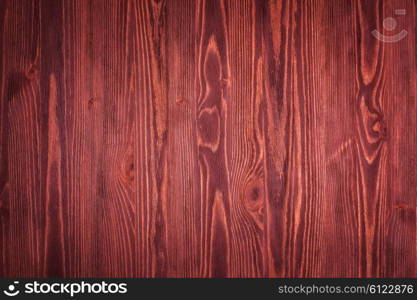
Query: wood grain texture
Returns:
{"type": "Point", "coordinates": [207, 138]}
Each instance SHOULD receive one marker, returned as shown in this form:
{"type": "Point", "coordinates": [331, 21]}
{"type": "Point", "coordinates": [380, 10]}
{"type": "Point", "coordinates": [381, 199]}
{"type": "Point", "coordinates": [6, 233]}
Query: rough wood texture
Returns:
{"type": "Point", "coordinates": [209, 138]}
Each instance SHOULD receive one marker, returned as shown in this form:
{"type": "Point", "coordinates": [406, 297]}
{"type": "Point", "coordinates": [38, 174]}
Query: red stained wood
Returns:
{"type": "Point", "coordinates": [209, 138]}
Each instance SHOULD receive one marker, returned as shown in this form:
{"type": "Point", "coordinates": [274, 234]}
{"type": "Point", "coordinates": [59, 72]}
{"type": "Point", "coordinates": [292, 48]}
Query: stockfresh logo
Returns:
{"type": "Point", "coordinates": [12, 290]}
{"type": "Point", "coordinates": [72, 289]}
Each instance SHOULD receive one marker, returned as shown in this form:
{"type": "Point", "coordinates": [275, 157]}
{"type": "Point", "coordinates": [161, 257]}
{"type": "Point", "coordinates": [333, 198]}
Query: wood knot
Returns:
{"type": "Point", "coordinates": [91, 103]}
{"type": "Point", "coordinates": [15, 84]}
{"type": "Point", "coordinates": [402, 206]}
{"type": "Point", "coordinates": [380, 128]}
{"type": "Point", "coordinates": [32, 72]}
{"type": "Point", "coordinates": [131, 171]}
{"type": "Point", "coordinates": [254, 196]}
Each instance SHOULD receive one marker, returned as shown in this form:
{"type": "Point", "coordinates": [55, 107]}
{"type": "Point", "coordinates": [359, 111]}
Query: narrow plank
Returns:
{"type": "Point", "coordinates": [115, 227]}
{"type": "Point", "coordinates": [83, 114]}
{"type": "Point", "coordinates": [211, 117]}
{"type": "Point", "coordinates": [53, 140]}
{"type": "Point", "coordinates": [151, 150]}
{"type": "Point", "coordinates": [21, 206]}
{"type": "Point", "coordinates": [295, 137]}
{"type": "Point", "coordinates": [243, 137]}
{"type": "Point", "coordinates": [398, 101]}
{"type": "Point", "coordinates": [186, 217]}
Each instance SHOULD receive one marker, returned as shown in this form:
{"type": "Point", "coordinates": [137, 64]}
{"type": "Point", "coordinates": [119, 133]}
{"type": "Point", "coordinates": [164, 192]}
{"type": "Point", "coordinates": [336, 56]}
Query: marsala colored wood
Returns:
{"type": "Point", "coordinates": [207, 138]}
